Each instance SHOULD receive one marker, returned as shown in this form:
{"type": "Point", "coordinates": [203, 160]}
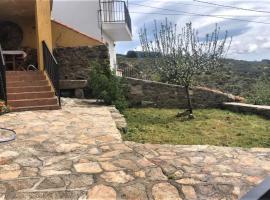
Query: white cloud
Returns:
{"type": "Point", "coordinates": [250, 40]}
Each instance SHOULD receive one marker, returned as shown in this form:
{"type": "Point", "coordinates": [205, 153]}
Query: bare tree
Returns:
{"type": "Point", "coordinates": [180, 56]}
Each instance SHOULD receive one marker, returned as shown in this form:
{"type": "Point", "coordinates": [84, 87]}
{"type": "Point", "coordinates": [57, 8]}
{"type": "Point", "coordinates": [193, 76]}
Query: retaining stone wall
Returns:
{"type": "Point", "coordinates": [151, 93]}
{"type": "Point", "coordinates": [75, 62]}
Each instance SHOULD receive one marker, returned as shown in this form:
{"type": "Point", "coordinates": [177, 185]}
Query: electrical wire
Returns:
{"type": "Point", "coordinates": [201, 15]}
{"type": "Point", "coordinates": [155, 13]}
{"type": "Point", "coordinates": [234, 7]}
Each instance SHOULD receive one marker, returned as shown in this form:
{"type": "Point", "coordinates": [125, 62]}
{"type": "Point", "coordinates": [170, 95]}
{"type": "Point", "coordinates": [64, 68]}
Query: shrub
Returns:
{"type": "Point", "coordinates": [106, 86]}
{"type": "Point", "coordinates": [260, 93]}
{"type": "Point", "coordinates": [3, 108]}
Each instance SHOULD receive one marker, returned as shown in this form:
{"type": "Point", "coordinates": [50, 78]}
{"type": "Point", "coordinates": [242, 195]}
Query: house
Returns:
{"type": "Point", "coordinates": [30, 36]}
{"type": "Point", "coordinates": [106, 20]}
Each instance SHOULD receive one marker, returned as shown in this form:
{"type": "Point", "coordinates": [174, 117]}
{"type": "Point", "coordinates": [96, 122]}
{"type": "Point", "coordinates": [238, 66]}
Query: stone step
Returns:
{"type": "Point", "coordinates": [27, 83]}
{"type": "Point", "coordinates": [29, 108]}
{"type": "Point", "coordinates": [30, 95]}
{"type": "Point", "coordinates": [32, 102]}
{"type": "Point", "coordinates": [29, 89]}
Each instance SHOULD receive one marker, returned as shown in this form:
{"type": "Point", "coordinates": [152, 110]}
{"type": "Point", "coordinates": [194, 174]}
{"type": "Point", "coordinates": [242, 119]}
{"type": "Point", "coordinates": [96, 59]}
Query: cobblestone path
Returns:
{"type": "Point", "coordinates": [77, 153]}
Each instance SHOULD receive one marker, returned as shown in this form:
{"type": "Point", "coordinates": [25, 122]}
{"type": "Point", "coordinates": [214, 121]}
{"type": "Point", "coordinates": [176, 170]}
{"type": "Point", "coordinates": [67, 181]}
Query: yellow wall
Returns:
{"type": "Point", "coordinates": [43, 27]}
{"type": "Point", "coordinates": [64, 36]}
{"type": "Point", "coordinates": [29, 32]}
{"type": "Point", "coordinates": [28, 27]}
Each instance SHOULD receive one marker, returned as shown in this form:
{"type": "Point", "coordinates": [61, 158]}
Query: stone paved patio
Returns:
{"type": "Point", "coordinates": [77, 153]}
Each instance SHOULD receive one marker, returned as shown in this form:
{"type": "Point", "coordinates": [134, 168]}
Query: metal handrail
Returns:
{"type": "Point", "coordinates": [115, 11]}
{"type": "Point", "coordinates": [52, 69]}
{"type": "Point", "coordinates": [3, 89]}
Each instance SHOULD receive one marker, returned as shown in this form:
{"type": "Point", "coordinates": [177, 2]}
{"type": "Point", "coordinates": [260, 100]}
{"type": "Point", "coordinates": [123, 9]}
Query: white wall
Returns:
{"type": "Point", "coordinates": [83, 16]}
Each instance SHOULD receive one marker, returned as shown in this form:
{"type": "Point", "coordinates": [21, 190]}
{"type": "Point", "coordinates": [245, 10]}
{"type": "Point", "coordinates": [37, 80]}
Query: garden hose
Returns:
{"type": "Point", "coordinates": [10, 138]}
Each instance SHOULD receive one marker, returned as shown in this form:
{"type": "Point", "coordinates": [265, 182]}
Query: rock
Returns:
{"type": "Point", "coordinates": [189, 192]}
{"type": "Point", "coordinates": [145, 163]}
{"type": "Point", "coordinates": [128, 164]}
{"type": "Point", "coordinates": [39, 138]}
{"type": "Point", "coordinates": [9, 154]}
{"type": "Point", "coordinates": [254, 179]}
{"type": "Point", "coordinates": [135, 192]}
{"type": "Point", "coordinates": [108, 166]}
{"type": "Point", "coordinates": [10, 167]}
{"type": "Point", "coordinates": [29, 172]}
{"type": "Point", "coordinates": [66, 148]}
{"type": "Point", "coordinates": [51, 172]}
{"type": "Point", "coordinates": [178, 174]}
{"type": "Point", "coordinates": [90, 168]}
{"type": "Point", "coordinates": [52, 159]}
{"type": "Point", "coordinates": [226, 189]}
{"type": "Point", "coordinates": [187, 181]}
{"type": "Point", "coordinates": [6, 156]}
{"type": "Point", "coordinates": [100, 192]}
{"type": "Point", "coordinates": [116, 177]}
{"type": "Point", "coordinates": [156, 174]}
{"type": "Point", "coordinates": [165, 191]}
{"type": "Point", "coordinates": [196, 160]}
{"type": "Point", "coordinates": [22, 184]}
{"type": "Point", "coordinates": [51, 182]}
{"type": "Point", "coordinates": [140, 174]}
{"type": "Point", "coordinates": [74, 181]}
{"type": "Point", "coordinates": [94, 151]}
{"type": "Point", "coordinates": [208, 189]}
{"type": "Point", "coordinates": [111, 154]}
{"type": "Point", "coordinates": [29, 162]}
{"type": "Point", "coordinates": [9, 175]}
{"type": "Point", "coordinates": [236, 191]}
{"type": "Point", "coordinates": [3, 188]}
{"type": "Point", "coordinates": [61, 165]}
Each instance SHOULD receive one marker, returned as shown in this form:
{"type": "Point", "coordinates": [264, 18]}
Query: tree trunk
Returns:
{"type": "Point", "coordinates": [190, 109]}
{"type": "Point", "coordinates": [189, 112]}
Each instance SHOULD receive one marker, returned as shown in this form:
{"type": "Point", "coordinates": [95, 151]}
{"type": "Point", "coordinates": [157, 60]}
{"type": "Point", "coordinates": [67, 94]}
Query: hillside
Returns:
{"type": "Point", "coordinates": [236, 76]}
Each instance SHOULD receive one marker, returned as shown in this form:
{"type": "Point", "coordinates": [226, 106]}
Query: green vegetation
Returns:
{"type": "Point", "coordinates": [260, 93]}
{"type": "Point", "coordinates": [106, 86]}
{"type": "Point", "coordinates": [3, 108]}
{"type": "Point", "coordinates": [211, 126]}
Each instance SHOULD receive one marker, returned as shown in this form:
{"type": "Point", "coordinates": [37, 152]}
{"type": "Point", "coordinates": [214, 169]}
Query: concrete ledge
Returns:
{"type": "Point", "coordinates": [73, 84]}
{"type": "Point", "coordinates": [248, 108]}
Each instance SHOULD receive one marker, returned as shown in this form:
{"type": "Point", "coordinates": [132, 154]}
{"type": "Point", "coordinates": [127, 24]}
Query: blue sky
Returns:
{"type": "Point", "coordinates": [251, 41]}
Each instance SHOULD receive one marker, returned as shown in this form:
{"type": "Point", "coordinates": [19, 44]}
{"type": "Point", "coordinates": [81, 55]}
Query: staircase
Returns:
{"type": "Point", "coordinates": [29, 90]}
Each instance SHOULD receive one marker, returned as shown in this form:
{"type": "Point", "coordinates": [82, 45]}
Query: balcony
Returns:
{"type": "Point", "coordinates": [115, 20]}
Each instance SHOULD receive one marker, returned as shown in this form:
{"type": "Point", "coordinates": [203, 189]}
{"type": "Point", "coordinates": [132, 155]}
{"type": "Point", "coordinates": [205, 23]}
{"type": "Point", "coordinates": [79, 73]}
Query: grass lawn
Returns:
{"type": "Point", "coordinates": [210, 126]}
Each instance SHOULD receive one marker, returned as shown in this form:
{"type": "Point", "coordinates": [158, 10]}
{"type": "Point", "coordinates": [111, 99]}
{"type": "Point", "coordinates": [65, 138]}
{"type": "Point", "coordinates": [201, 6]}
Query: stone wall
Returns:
{"type": "Point", "coordinates": [248, 108]}
{"type": "Point", "coordinates": [143, 93]}
{"type": "Point", "coordinates": [75, 62]}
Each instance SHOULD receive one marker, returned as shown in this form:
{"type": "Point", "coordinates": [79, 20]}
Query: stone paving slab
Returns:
{"type": "Point", "coordinates": [77, 153]}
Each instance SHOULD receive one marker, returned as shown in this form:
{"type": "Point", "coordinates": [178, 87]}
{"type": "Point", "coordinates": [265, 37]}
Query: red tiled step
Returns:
{"type": "Point", "coordinates": [30, 95]}
{"type": "Point", "coordinates": [28, 77]}
{"type": "Point", "coordinates": [27, 83]}
{"type": "Point", "coordinates": [32, 102]}
{"type": "Point", "coordinates": [28, 89]}
{"type": "Point", "coordinates": [13, 73]}
{"type": "Point", "coordinates": [45, 107]}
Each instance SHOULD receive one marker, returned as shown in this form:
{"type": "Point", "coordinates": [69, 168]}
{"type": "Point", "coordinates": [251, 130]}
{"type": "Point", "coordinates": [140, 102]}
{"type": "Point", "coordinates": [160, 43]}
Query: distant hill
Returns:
{"type": "Point", "coordinates": [237, 76]}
